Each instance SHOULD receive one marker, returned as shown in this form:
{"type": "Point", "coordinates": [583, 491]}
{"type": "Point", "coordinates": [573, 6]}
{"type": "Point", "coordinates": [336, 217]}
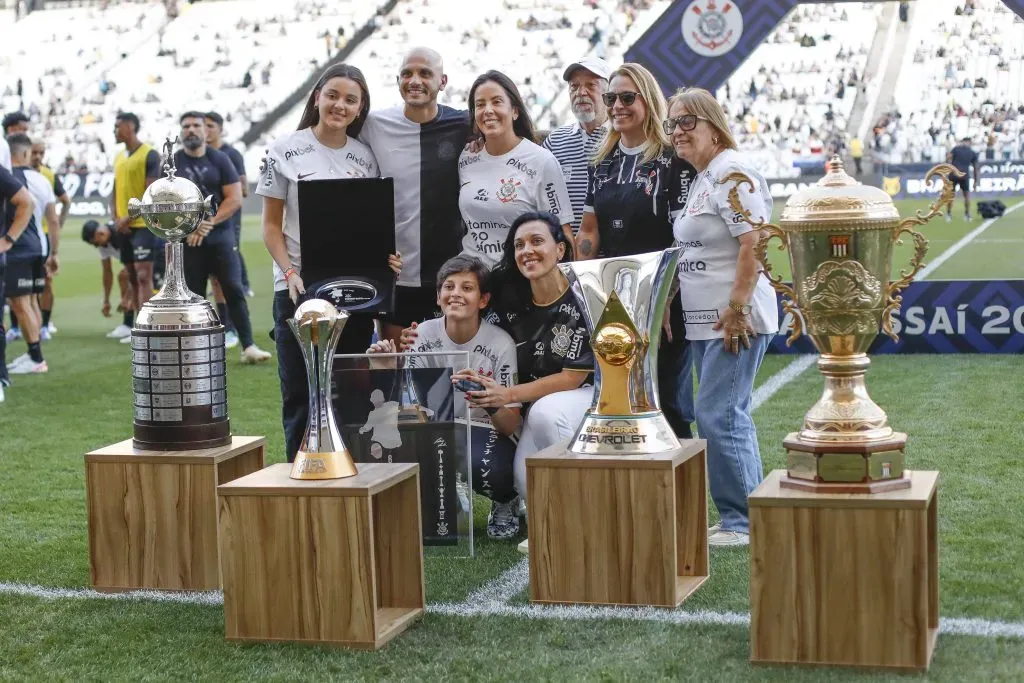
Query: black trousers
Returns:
{"type": "Point", "coordinates": [4, 377]}
{"type": "Point", "coordinates": [493, 474]}
{"type": "Point", "coordinates": [291, 367]}
{"type": "Point", "coordinates": [675, 365]}
{"type": "Point", "coordinates": [218, 256]}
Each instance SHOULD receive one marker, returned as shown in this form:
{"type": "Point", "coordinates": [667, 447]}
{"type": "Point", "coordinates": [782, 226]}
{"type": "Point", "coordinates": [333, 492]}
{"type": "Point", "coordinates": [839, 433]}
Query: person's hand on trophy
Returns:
{"type": "Point", "coordinates": [493, 394]}
{"type": "Point", "coordinates": [408, 337]}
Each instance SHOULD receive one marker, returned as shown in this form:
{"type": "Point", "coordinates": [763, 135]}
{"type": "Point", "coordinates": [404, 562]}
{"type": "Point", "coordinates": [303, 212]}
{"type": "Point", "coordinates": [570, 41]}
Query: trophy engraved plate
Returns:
{"type": "Point", "coordinates": [623, 300]}
{"type": "Point", "coordinates": [176, 333]}
{"type": "Point", "coordinates": [840, 236]}
{"type": "Point", "coordinates": [317, 326]}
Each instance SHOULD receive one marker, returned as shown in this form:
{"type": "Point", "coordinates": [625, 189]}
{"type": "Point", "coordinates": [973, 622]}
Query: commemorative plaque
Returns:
{"type": "Point", "coordinates": [178, 367]}
{"type": "Point", "coordinates": [345, 253]}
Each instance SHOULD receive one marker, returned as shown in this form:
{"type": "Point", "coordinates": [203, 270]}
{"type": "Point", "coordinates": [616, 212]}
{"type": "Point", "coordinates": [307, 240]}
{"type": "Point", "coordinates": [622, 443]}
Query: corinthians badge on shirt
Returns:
{"type": "Point", "coordinates": [507, 190]}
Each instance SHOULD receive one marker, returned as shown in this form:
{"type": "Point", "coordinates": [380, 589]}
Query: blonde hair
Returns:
{"type": "Point", "coordinates": [702, 103]}
{"type": "Point", "coordinates": [655, 140]}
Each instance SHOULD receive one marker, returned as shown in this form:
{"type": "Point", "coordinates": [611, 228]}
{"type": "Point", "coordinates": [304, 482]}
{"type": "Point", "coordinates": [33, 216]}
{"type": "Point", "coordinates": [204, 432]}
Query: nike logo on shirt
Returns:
{"type": "Point", "coordinates": [305, 175]}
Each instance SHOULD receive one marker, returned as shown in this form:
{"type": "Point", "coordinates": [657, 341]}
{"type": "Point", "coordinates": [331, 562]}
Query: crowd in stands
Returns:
{"type": "Point", "coordinates": [962, 79]}
{"type": "Point", "coordinates": [790, 102]}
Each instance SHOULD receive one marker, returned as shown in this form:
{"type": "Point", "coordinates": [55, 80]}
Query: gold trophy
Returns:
{"type": "Point", "coordinates": [840, 236]}
{"type": "Point", "coordinates": [623, 300]}
{"type": "Point", "coordinates": [317, 326]}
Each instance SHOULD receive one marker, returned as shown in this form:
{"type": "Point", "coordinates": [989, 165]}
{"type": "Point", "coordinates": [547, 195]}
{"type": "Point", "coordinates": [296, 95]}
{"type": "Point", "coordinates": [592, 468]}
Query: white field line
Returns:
{"type": "Point", "coordinates": [963, 242]}
{"type": "Point", "coordinates": [500, 590]}
{"type": "Point", "coordinates": [982, 628]}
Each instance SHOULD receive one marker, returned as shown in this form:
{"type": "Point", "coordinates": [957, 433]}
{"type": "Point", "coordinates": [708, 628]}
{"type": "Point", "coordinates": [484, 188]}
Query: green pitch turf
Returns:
{"type": "Point", "coordinates": [962, 412]}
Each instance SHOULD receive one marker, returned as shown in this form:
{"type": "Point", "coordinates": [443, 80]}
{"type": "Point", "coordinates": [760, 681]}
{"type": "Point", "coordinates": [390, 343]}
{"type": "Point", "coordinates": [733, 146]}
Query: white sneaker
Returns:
{"type": "Point", "coordinates": [254, 354]}
{"type": "Point", "coordinates": [29, 367]}
{"type": "Point", "coordinates": [2, 397]}
{"type": "Point", "coordinates": [18, 361]}
{"type": "Point", "coordinates": [249, 293]}
{"type": "Point", "coordinates": [524, 547]}
{"type": "Point", "coordinates": [44, 334]}
{"type": "Point", "coordinates": [120, 332]}
{"type": "Point", "coordinates": [230, 339]}
{"type": "Point", "coordinates": [51, 328]}
{"type": "Point", "coordinates": [729, 538]}
{"type": "Point", "coordinates": [126, 340]}
{"type": "Point", "coordinates": [949, 218]}
{"type": "Point", "coordinates": [13, 334]}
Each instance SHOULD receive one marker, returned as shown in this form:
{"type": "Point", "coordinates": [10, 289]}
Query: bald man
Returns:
{"type": "Point", "coordinates": [418, 144]}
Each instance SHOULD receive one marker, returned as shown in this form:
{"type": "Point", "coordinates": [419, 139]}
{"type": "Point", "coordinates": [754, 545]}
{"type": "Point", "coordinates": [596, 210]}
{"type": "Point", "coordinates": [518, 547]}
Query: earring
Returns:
{"type": "Point", "coordinates": [714, 140]}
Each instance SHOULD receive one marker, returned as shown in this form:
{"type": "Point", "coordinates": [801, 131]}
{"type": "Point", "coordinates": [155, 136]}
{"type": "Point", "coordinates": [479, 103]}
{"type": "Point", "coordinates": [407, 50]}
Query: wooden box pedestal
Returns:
{"type": "Point", "coordinates": [844, 579]}
{"type": "Point", "coordinates": [617, 530]}
{"type": "Point", "coordinates": [334, 561]}
{"type": "Point", "coordinates": [153, 514]}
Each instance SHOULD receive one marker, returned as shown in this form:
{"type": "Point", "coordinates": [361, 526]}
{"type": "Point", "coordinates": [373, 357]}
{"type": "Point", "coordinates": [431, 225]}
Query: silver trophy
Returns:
{"type": "Point", "coordinates": [178, 370]}
{"type": "Point", "coordinates": [317, 326]}
{"type": "Point", "coordinates": [623, 300]}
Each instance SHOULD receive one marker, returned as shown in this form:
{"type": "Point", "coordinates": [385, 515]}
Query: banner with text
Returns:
{"type": "Point", "coordinates": [995, 179]}
{"type": "Point", "coordinates": [946, 316]}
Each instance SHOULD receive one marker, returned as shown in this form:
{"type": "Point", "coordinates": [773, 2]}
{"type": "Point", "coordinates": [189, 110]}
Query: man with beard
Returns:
{"type": "Point", "coordinates": [574, 143]}
{"type": "Point", "coordinates": [418, 144]}
{"type": "Point", "coordinates": [135, 169]}
{"type": "Point", "coordinates": [212, 249]}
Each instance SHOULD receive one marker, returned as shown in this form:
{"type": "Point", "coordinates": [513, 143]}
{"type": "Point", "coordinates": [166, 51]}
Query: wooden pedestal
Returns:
{"type": "Point", "coordinates": [617, 530]}
{"type": "Point", "coordinates": [844, 579]}
{"type": "Point", "coordinates": [336, 561]}
{"type": "Point", "coordinates": [153, 514]}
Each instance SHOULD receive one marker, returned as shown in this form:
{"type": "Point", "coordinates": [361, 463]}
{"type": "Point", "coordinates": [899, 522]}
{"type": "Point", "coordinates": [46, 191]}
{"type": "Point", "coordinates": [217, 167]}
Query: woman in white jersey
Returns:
{"type": "Point", "coordinates": [323, 146]}
{"type": "Point", "coordinates": [510, 176]}
{"type": "Point", "coordinates": [728, 308]}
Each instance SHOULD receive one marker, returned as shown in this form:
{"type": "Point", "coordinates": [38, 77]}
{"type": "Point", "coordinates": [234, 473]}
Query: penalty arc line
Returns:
{"type": "Point", "coordinates": [961, 626]}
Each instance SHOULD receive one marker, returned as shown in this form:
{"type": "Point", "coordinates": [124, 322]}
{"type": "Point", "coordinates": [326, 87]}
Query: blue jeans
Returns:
{"type": "Point", "coordinates": [726, 382]}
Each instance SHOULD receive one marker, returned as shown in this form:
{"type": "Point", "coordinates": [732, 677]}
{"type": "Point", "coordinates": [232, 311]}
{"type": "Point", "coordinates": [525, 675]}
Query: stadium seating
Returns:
{"type": "Point", "coordinates": [961, 78]}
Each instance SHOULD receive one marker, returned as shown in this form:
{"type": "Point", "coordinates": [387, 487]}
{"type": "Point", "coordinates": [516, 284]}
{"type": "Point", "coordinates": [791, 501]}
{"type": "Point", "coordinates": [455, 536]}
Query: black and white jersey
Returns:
{"type": "Point", "coordinates": [548, 338]}
{"type": "Point", "coordinates": [423, 160]}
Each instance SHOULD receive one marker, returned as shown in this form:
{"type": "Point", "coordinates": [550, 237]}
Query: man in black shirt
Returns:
{"type": "Point", "coordinates": [214, 131]}
{"type": "Point", "coordinates": [212, 249]}
{"type": "Point", "coordinates": [964, 159]}
{"type": "Point", "coordinates": [16, 208]}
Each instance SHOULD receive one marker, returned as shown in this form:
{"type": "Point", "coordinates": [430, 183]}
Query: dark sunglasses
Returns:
{"type": "Point", "coordinates": [627, 98]}
{"type": "Point", "coordinates": [685, 122]}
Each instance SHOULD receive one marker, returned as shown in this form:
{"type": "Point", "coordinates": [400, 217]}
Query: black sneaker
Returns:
{"type": "Point", "coordinates": [503, 520]}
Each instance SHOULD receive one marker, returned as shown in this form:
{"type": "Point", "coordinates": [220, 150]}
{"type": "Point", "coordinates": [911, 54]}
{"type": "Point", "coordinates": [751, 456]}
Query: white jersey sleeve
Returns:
{"type": "Point", "coordinates": [554, 196]}
{"type": "Point", "coordinates": [273, 180]}
{"type": "Point", "coordinates": [756, 200]}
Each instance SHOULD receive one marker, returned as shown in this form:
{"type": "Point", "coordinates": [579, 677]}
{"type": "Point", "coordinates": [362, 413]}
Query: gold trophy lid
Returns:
{"type": "Point", "coordinates": [838, 198]}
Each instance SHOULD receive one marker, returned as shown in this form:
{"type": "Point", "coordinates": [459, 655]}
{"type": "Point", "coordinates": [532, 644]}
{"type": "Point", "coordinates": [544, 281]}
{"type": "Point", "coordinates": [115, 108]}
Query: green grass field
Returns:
{"type": "Point", "coordinates": [962, 412]}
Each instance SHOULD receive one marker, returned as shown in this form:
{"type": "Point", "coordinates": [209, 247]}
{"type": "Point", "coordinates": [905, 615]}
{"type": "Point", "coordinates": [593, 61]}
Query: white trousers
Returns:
{"type": "Point", "coordinates": [552, 419]}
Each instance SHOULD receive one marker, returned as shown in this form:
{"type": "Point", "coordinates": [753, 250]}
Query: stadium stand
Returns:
{"type": "Point", "coordinates": [957, 82]}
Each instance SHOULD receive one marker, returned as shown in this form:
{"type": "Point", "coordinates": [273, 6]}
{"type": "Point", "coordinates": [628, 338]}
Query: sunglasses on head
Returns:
{"type": "Point", "coordinates": [685, 122]}
{"type": "Point", "coordinates": [627, 98]}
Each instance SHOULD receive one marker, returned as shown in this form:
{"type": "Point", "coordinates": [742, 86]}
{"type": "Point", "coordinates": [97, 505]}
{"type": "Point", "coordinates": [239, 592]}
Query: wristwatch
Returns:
{"type": "Point", "coordinates": [9, 238]}
{"type": "Point", "coordinates": [742, 309]}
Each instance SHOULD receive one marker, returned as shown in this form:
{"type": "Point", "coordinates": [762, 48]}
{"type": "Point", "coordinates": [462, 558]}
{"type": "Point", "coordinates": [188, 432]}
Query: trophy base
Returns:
{"type": "Point", "coordinates": [872, 467]}
{"type": "Point", "coordinates": [641, 434]}
{"type": "Point", "coordinates": [181, 437]}
{"type": "Point", "coordinates": [334, 465]}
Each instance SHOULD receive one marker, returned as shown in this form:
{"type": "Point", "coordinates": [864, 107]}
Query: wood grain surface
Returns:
{"type": "Point", "coordinates": [842, 584]}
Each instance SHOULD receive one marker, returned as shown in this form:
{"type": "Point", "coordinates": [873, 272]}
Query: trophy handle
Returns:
{"type": "Point", "coordinates": [945, 199]}
{"type": "Point", "coordinates": [769, 232]}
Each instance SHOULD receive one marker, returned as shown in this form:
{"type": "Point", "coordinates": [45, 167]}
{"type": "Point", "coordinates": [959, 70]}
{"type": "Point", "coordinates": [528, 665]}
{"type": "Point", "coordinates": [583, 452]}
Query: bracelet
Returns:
{"type": "Point", "coordinates": [289, 272]}
{"type": "Point", "coordinates": [10, 239]}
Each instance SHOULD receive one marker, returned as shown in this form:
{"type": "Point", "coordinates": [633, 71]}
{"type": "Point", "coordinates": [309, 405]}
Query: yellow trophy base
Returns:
{"type": "Point", "coordinates": [334, 465]}
{"type": "Point", "coordinates": [845, 467]}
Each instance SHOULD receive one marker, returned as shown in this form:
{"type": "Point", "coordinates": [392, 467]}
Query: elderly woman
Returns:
{"type": "Point", "coordinates": [728, 308]}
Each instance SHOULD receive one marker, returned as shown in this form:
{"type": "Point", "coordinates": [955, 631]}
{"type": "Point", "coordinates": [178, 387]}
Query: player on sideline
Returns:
{"type": "Point", "coordinates": [965, 160]}
{"type": "Point", "coordinates": [30, 257]}
{"type": "Point", "coordinates": [463, 292]}
{"type": "Point", "coordinates": [111, 244]}
{"type": "Point", "coordinates": [46, 298]}
{"type": "Point", "coordinates": [418, 144]}
{"type": "Point", "coordinates": [214, 131]}
{"type": "Point", "coordinates": [213, 249]}
{"type": "Point", "coordinates": [135, 168]}
{"type": "Point", "coordinates": [14, 123]}
{"type": "Point", "coordinates": [16, 208]}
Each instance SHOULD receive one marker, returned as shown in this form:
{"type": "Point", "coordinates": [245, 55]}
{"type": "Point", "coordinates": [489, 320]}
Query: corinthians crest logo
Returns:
{"type": "Point", "coordinates": [561, 339]}
{"type": "Point", "coordinates": [712, 28]}
{"type": "Point", "coordinates": [507, 190]}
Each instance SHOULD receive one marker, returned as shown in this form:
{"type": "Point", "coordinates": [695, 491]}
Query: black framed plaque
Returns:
{"type": "Point", "coordinates": [347, 231]}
